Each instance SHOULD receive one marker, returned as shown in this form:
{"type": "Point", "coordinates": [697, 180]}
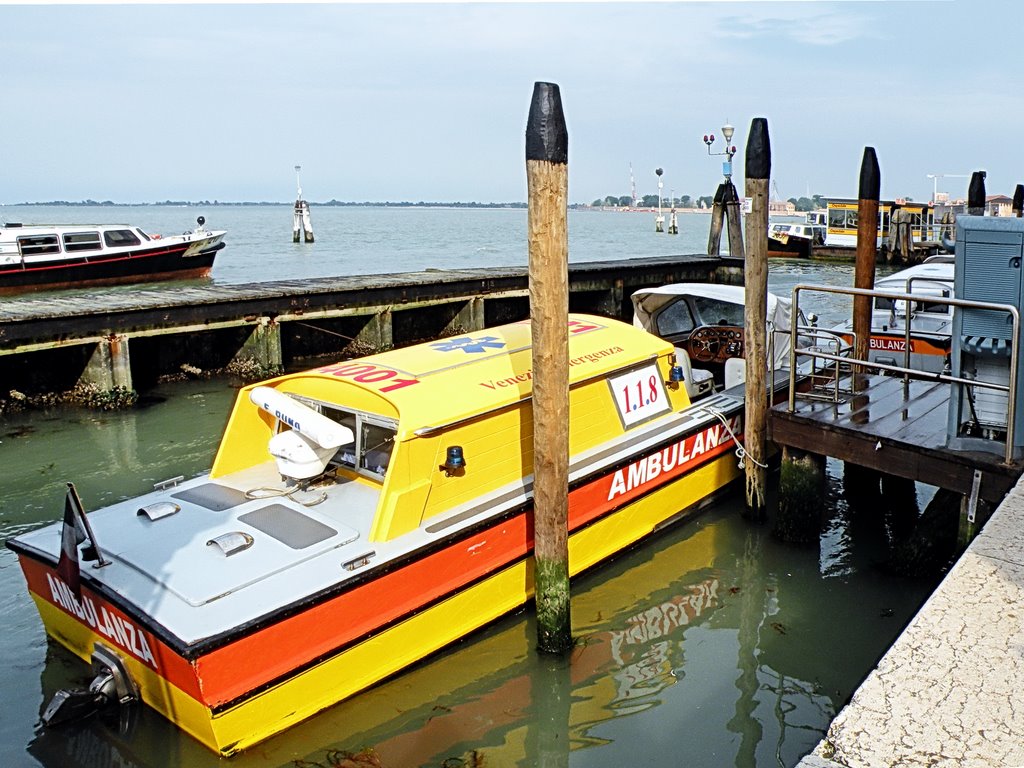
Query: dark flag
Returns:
{"type": "Point", "coordinates": [71, 536]}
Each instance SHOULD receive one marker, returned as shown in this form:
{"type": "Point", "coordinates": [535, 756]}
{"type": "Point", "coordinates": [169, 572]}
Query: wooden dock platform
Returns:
{"type": "Point", "coordinates": [896, 428]}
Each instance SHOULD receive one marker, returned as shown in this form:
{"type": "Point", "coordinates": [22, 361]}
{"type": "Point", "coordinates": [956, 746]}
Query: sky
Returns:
{"type": "Point", "coordinates": [428, 102]}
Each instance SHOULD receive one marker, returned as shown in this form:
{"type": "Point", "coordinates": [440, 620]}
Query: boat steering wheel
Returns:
{"type": "Point", "coordinates": [715, 343]}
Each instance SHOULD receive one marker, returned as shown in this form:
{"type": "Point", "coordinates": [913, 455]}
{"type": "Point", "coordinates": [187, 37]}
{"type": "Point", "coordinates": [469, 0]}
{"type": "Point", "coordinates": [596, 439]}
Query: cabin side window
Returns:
{"type": "Point", "coordinates": [376, 443]}
{"type": "Point", "coordinates": [888, 305]}
{"type": "Point", "coordinates": [119, 238]}
{"type": "Point", "coordinates": [370, 452]}
{"type": "Point", "coordinates": [35, 245]}
{"type": "Point", "coordinates": [81, 241]}
{"type": "Point", "coordinates": [937, 308]}
{"type": "Point", "coordinates": [837, 218]}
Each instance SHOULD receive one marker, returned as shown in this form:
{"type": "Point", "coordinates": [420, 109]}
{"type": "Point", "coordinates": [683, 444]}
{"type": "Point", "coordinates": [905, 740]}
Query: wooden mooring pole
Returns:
{"type": "Point", "coordinates": [976, 194]}
{"type": "Point", "coordinates": [717, 220]}
{"type": "Point", "coordinates": [733, 218]}
{"type": "Point", "coordinates": [867, 250]}
{"type": "Point", "coordinates": [755, 277]}
{"type": "Point", "coordinates": [547, 154]}
{"type": "Point", "coordinates": [725, 211]}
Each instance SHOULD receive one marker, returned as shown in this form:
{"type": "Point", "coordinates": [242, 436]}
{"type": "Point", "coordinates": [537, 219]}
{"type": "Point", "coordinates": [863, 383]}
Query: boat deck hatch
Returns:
{"type": "Point", "coordinates": [213, 496]}
{"type": "Point", "coordinates": [287, 526]}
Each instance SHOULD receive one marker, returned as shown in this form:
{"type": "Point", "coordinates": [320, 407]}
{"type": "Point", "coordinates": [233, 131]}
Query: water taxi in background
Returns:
{"type": "Point", "coordinates": [36, 257]}
{"type": "Point", "coordinates": [930, 322]}
{"type": "Point", "coordinates": [842, 216]}
{"type": "Point", "coordinates": [359, 517]}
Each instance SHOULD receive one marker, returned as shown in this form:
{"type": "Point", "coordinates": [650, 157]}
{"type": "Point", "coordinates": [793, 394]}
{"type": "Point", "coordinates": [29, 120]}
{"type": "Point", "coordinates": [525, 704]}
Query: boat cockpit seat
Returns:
{"type": "Point", "coordinates": [698, 381]}
{"type": "Point", "coordinates": [735, 371]}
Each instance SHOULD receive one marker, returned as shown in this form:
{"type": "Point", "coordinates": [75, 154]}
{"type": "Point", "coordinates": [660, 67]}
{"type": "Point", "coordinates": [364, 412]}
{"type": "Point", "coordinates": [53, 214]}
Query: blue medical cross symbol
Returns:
{"type": "Point", "coordinates": [468, 344]}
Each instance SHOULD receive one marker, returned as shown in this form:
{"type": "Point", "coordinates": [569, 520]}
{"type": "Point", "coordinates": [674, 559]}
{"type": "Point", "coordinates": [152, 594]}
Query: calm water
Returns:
{"type": "Point", "coordinates": [711, 645]}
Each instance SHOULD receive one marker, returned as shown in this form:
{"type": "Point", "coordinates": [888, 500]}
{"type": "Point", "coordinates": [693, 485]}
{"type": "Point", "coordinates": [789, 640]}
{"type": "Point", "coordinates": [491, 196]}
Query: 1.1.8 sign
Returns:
{"type": "Point", "coordinates": [639, 395]}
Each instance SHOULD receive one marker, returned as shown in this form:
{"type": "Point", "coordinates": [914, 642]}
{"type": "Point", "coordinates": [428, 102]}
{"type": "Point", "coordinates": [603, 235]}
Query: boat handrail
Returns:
{"type": "Point", "coordinates": [906, 370]}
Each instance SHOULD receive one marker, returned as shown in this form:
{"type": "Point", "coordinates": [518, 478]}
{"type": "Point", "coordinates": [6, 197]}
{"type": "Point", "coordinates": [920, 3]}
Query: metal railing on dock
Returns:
{"type": "Point", "coordinates": [906, 370]}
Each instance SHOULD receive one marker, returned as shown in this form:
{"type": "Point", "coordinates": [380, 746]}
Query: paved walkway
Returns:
{"type": "Point", "coordinates": [950, 691]}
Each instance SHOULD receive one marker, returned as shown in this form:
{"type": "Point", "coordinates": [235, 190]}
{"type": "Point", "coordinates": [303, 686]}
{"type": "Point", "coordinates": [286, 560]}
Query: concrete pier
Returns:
{"type": "Point", "coordinates": [51, 343]}
{"type": "Point", "coordinates": [950, 691]}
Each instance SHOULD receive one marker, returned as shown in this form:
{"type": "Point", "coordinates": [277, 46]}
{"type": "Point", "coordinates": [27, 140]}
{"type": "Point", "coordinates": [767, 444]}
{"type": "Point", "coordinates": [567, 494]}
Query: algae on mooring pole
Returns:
{"type": "Point", "coordinates": [547, 155]}
{"type": "Point", "coordinates": [867, 250]}
{"type": "Point", "coordinates": [755, 308]}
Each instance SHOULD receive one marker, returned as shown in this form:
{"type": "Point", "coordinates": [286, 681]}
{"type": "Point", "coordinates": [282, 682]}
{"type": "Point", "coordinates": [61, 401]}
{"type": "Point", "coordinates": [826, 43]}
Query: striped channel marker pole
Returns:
{"type": "Point", "coordinates": [755, 277]}
{"type": "Point", "coordinates": [547, 176]}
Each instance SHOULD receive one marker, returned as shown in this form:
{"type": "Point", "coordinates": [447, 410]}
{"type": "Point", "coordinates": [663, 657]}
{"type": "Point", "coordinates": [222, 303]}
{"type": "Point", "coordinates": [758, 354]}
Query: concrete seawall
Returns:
{"type": "Point", "coordinates": [950, 691]}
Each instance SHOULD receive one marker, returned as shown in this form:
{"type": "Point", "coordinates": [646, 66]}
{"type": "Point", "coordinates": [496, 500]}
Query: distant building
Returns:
{"type": "Point", "coordinates": [998, 205]}
{"type": "Point", "coordinates": [781, 208]}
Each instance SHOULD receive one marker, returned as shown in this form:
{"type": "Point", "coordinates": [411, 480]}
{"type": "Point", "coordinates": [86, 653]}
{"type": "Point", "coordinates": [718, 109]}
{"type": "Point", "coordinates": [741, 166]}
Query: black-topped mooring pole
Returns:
{"type": "Point", "coordinates": [1018, 201]}
{"type": "Point", "coordinates": [755, 276]}
{"type": "Point", "coordinates": [547, 165]}
{"type": "Point", "coordinates": [867, 249]}
{"type": "Point", "coordinates": [976, 194]}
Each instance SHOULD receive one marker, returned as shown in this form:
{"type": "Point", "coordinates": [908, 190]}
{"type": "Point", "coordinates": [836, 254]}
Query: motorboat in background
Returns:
{"type": "Point", "coordinates": [794, 240]}
{"type": "Point", "coordinates": [930, 320]}
{"type": "Point", "coordinates": [37, 257]}
{"type": "Point", "coordinates": [704, 321]}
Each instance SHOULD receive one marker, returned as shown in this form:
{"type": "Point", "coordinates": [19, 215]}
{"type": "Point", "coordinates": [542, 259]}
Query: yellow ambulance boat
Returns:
{"type": "Point", "coordinates": [361, 516]}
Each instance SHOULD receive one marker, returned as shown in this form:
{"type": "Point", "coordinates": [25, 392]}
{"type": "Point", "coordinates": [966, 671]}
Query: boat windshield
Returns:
{"type": "Point", "coordinates": [717, 312]}
{"type": "Point", "coordinates": [674, 319]}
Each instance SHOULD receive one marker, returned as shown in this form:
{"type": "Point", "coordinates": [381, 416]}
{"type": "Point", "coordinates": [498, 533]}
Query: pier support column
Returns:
{"type": "Point", "coordinates": [110, 365]}
{"type": "Point", "coordinates": [900, 496]}
{"type": "Point", "coordinates": [931, 544]}
{"type": "Point", "coordinates": [376, 334]}
{"type": "Point", "coordinates": [862, 488]}
{"type": "Point", "coordinates": [263, 349]}
{"type": "Point", "coordinates": [611, 304]}
{"type": "Point", "coordinates": [801, 491]}
{"type": "Point", "coordinates": [468, 319]}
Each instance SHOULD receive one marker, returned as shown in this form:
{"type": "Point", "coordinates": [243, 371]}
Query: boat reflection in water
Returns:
{"type": "Point", "coordinates": [681, 652]}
